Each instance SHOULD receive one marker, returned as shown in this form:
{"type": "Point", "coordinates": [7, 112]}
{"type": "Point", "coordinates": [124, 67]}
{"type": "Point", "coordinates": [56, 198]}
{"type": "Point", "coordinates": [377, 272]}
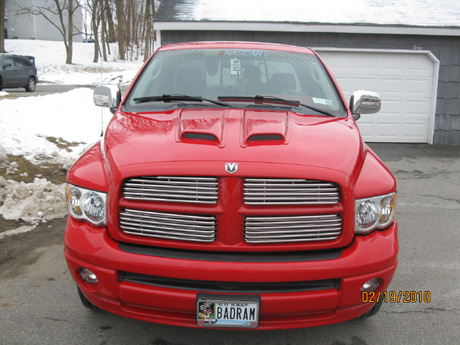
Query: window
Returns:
{"type": "Point", "coordinates": [19, 62]}
{"type": "Point", "coordinates": [213, 73]}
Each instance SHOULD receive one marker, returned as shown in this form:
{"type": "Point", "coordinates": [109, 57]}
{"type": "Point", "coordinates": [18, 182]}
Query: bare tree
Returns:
{"type": "Point", "coordinates": [148, 23]}
{"type": "Point", "coordinates": [111, 26]}
{"type": "Point", "coordinates": [62, 10]}
{"type": "Point", "coordinates": [2, 26]}
{"type": "Point", "coordinates": [119, 5]}
{"type": "Point", "coordinates": [95, 9]}
{"type": "Point", "coordinates": [128, 22]}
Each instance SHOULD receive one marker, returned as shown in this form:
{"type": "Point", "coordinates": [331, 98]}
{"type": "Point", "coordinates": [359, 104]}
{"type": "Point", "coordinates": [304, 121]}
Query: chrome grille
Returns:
{"type": "Point", "coordinates": [292, 228]}
{"type": "Point", "coordinates": [174, 226]}
{"type": "Point", "coordinates": [184, 189]}
{"type": "Point", "coordinates": [277, 191]}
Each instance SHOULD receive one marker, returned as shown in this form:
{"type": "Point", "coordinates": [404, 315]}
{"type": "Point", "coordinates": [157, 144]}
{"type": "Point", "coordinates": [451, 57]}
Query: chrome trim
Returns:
{"type": "Point", "coordinates": [278, 191]}
{"type": "Point", "coordinates": [185, 227]}
{"type": "Point", "coordinates": [292, 228]}
{"type": "Point", "coordinates": [183, 189]}
{"type": "Point", "coordinates": [365, 102]}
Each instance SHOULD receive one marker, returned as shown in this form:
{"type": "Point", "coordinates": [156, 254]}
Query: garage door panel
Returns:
{"type": "Point", "coordinates": [391, 85]}
{"type": "Point", "coordinates": [419, 88]}
{"type": "Point", "coordinates": [386, 130]}
{"type": "Point", "coordinates": [413, 130]}
{"type": "Point", "coordinates": [405, 82]}
{"type": "Point", "coordinates": [417, 108]}
{"type": "Point", "coordinates": [389, 108]}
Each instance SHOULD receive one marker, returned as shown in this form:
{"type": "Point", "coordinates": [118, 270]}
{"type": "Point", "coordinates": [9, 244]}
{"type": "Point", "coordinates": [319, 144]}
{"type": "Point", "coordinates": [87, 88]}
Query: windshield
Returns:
{"type": "Point", "coordinates": [214, 74]}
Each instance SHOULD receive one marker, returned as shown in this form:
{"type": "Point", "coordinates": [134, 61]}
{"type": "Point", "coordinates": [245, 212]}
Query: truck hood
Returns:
{"type": "Point", "coordinates": [231, 135]}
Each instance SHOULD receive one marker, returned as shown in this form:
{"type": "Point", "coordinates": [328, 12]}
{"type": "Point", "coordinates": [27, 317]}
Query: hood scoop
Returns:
{"type": "Point", "coordinates": [200, 136]}
{"type": "Point", "coordinates": [265, 137]}
{"type": "Point", "coordinates": [200, 126]}
{"type": "Point", "coordinates": [265, 127]}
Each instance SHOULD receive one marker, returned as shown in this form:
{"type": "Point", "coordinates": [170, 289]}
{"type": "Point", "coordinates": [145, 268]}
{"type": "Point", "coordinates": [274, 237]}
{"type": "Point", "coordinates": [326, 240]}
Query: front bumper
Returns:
{"type": "Point", "coordinates": [370, 256]}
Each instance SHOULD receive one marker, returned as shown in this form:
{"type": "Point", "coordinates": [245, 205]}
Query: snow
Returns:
{"type": "Point", "coordinates": [70, 117]}
{"type": "Point", "coordinates": [440, 13]}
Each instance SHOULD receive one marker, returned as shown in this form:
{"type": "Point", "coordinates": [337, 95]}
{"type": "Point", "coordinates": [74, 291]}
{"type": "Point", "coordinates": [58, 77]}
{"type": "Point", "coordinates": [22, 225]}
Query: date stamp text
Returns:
{"type": "Point", "coordinates": [396, 296]}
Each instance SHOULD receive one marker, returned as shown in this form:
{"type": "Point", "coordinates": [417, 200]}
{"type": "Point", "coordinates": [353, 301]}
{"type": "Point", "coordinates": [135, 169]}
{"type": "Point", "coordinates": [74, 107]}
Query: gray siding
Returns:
{"type": "Point", "coordinates": [446, 49]}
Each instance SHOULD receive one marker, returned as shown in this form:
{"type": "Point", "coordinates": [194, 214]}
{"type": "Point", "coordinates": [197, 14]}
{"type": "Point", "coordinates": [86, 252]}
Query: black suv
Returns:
{"type": "Point", "coordinates": [18, 71]}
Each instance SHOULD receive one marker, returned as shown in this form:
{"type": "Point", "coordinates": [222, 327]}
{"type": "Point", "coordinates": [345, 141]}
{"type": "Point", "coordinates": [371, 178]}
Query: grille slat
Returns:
{"type": "Point", "coordinates": [156, 232]}
{"type": "Point", "coordinates": [292, 228]}
{"type": "Point", "coordinates": [185, 227]}
{"type": "Point", "coordinates": [271, 191]}
{"type": "Point", "coordinates": [183, 189]}
{"type": "Point", "coordinates": [167, 226]}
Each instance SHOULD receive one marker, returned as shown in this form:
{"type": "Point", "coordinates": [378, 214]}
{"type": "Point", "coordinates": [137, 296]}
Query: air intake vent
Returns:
{"type": "Point", "coordinates": [292, 228]}
{"type": "Point", "coordinates": [183, 189]}
{"type": "Point", "coordinates": [265, 137]}
{"type": "Point", "coordinates": [201, 136]}
{"type": "Point", "coordinates": [274, 191]}
{"type": "Point", "coordinates": [173, 226]}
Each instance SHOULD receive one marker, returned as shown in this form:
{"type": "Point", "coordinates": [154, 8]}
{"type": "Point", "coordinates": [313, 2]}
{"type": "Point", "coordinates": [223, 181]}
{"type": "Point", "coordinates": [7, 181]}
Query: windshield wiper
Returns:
{"type": "Point", "coordinates": [179, 98]}
{"type": "Point", "coordinates": [258, 99]}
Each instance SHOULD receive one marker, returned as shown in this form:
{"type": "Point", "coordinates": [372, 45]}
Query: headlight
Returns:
{"type": "Point", "coordinates": [86, 204]}
{"type": "Point", "coordinates": [374, 213]}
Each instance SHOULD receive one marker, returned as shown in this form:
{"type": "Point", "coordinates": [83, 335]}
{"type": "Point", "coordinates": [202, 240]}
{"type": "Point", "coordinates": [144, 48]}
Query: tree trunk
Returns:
{"type": "Point", "coordinates": [121, 28]}
{"type": "Point", "coordinates": [2, 26]}
{"type": "Point", "coordinates": [103, 32]}
{"type": "Point", "coordinates": [95, 27]}
{"type": "Point", "coordinates": [148, 34]}
{"type": "Point", "coordinates": [111, 32]}
{"type": "Point", "coordinates": [69, 33]}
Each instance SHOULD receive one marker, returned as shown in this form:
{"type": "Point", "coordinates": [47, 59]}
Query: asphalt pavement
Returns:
{"type": "Point", "coordinates": [39, 302]}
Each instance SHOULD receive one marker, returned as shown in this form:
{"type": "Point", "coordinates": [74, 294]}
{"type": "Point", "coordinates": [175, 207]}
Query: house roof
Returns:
{"type": "Point", "coordinates": [421, 14]}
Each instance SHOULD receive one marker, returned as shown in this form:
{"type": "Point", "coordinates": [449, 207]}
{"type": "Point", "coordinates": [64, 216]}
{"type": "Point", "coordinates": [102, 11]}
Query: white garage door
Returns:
{"type": "Point", "coordinates": [405, 80]}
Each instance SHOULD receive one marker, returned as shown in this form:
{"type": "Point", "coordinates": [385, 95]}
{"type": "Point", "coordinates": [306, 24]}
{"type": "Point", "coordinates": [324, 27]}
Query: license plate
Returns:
{"type": "Point", "coordinates": [227, 310]}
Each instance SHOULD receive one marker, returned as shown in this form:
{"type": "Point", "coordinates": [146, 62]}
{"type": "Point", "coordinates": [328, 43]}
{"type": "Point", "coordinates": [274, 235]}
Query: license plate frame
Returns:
{"type": "Point", "coordinates": [227, 311]}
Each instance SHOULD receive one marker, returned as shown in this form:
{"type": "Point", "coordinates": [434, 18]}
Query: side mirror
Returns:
{"type": "Point", "coordinates": [364, 102]}
{"type": "Point", "coordinates": [108, 96]}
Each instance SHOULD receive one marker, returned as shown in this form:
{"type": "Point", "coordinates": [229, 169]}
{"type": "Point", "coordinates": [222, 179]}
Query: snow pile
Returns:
{"type": "Point", "coordinates": [3, 93]}
{"type": "Point", "coordinates": [32, 202]}
{"type": "Point", "coordinates": [3, 158]}
{"type": "Point", "coordinates": [50, 62]}
{"type": "Point", "coordinates": [72, 117]}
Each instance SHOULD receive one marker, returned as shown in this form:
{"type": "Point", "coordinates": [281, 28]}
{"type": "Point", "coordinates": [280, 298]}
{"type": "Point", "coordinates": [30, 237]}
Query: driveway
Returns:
{"type": "Point", "coordinates": [39, 302]}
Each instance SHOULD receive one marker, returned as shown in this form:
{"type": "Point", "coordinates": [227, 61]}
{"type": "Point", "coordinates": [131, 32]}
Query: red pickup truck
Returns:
{"type": "Point", "coordinates": [232, 189]}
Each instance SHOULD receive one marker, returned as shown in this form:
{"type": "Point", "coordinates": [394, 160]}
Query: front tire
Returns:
{"type": "Point", "coordinates": [31, 84]}
{"type": "Point", "coordinates": [374, 310]}
{"type": "Point", "coordinates": [85, 302]}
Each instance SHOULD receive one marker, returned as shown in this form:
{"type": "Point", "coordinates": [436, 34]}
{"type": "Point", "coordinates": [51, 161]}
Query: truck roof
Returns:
{"type": "Point", "coordinates": [236, 45]}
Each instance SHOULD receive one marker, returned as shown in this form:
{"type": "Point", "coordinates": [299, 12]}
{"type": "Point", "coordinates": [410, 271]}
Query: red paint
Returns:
{"type": "Point", "coordinates": [156, 144]}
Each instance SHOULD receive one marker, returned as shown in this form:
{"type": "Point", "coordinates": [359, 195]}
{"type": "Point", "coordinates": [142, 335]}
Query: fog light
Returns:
{"type": "Point", "coordinates": [88, 276]}
{"type": "Point", "coordinates": [371, 285]}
